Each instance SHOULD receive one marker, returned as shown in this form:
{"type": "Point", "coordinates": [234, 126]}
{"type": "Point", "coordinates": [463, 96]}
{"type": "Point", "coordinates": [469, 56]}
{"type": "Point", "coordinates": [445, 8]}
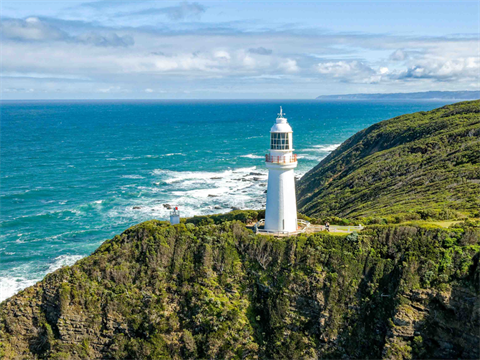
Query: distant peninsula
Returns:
{"type": "Point", "coordinates": [426, 95]}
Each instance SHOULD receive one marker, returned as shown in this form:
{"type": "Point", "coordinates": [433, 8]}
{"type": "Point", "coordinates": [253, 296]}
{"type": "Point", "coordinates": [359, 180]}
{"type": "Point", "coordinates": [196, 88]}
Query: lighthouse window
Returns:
{"type": "Point", "coordinates": [279, 141]}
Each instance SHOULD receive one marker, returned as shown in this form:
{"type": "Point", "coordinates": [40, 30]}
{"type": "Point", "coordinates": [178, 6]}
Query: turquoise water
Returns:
{"type": "Point", "coordinates": [73, 171]}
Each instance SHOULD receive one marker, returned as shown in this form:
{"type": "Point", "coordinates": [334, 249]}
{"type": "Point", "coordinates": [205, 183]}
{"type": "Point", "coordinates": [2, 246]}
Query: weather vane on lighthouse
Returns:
{"type": "Point", "coordinates": [281, 208]}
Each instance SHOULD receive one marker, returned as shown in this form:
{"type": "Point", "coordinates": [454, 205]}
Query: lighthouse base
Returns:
{"type": "Point", "coordinates": [302, 227]}
{"type": "Point", "coordinates": [281, 207]}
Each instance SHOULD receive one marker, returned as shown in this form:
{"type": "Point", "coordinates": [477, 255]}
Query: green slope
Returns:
{"type": "Point", "coordinates": [425, 164]}
{"type": "Point", "coordinates": [220, 292]}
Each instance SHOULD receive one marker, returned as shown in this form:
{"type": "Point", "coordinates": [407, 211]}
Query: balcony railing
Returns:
{"type": "Point", "coordinates": [281, 159]}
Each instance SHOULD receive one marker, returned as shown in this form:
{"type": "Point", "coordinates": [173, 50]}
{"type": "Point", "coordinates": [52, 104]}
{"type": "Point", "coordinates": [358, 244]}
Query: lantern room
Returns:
{"type": "Point", "coordinates": [281, 134]}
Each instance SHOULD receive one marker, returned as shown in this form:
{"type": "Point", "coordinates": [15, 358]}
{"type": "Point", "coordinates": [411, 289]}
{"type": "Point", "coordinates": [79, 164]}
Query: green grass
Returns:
{"type": "Point", "coordinates": [440, 223]}
{"type": "Point", "coordinates": [419, 166]}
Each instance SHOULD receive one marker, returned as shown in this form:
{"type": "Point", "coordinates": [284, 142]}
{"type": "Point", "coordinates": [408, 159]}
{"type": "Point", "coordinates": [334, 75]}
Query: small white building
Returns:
{"type": "Point", "coordinates": [175, 216]}
{"type": "Point", "coordinates": [281, 207]}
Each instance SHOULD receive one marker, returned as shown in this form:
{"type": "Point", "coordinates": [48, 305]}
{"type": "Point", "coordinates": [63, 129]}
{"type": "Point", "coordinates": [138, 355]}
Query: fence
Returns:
{"type": "Point", "coordinates": [257, 230]}
{"type": "Point", "coordinates": [281, 159]}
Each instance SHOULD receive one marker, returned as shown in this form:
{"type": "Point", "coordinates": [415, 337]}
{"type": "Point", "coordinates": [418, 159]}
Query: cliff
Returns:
{"type": "Point", "coordinates": [219, 291]}
{"type": "Point", "coordinates": [425, 164]}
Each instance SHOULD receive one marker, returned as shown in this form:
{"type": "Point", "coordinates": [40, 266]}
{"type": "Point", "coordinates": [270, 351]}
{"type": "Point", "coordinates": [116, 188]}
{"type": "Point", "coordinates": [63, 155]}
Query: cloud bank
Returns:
{"type": "Point", "coordinates": [177, 55]}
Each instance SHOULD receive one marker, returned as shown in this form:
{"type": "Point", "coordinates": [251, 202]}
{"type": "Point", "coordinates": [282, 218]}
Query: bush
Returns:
{"type": "Point", "coordinates": [245, 216]}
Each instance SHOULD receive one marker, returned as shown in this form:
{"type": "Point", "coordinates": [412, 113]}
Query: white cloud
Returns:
{"type": "Point", "coordinates": [148, 90]}
{"type": "Point", "coordinates": [249, 61]}
{"type": "Point", "coordinates": [112, 89]}
{"type": "Point", "coordinates": [398, 55]}
{"type": "Point", "coordinates": [32, 75]}
{"type": "Point", "coordinates": [107, 39]}
{"type": "Point", "coordinates": [344, 69]}
{"type": "Point", "coordinates": [221, 54]}
{"type": "Point", "coordinates": [37, 30]}
{"type": "Point", "coordinates": [68, 56]}
{"type": "Point", "coordinates": [185, 10]}
{"type": "Point", "coordinates": [443, 69]}
{"type": "Point", "coordinates": [179, 12]}
{"type": "Point", "coordinates": [260, 51]}
{"type": "Point", "coordinates": [30, 29]}
{"type": "Point", "coordinates": [16, 90]}
{"type": "Point", "coordinates": [289, 65]}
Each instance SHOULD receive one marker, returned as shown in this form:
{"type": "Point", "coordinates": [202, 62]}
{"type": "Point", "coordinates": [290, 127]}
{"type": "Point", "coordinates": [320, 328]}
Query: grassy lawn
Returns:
{"type": "Point", "coordinates": [440, 223]}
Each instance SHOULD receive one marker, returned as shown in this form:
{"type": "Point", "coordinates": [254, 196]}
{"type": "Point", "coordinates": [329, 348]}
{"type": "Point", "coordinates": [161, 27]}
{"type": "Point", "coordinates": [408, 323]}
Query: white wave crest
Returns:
{"type": "Point", "coordinates": [132, 177]}
{"type": "Point", "coordinates": [10, 285]}
{"type": "Point", "coordinates": [197, 193]}
{"type": "Point", "coordinates": [22, 276]}
{"type": "Point", "coordinates": [63, 260]}
{"type": "Point", "coordinates": [252, 156]}
{"type": "Point", "coordinates": [327, 148]}
{"type": "Point", "coordinates": [310, 157]}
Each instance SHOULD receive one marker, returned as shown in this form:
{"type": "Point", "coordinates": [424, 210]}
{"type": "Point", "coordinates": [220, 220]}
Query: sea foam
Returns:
{"type": "Point", "coordinates": [252, 156]}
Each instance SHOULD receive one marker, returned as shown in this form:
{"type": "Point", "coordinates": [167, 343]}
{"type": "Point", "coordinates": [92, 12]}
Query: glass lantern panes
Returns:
{"type": "Point", "coordinates": [279, 141]}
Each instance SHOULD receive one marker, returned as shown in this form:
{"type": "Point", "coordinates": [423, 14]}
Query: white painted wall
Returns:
{"type": "Point", "coordinates": [281, 209]}
{"type": "Point", "coordinates": [174, 219]}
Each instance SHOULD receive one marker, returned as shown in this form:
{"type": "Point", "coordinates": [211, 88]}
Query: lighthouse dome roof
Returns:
{"type": "Point", "coordinates": [281, 124]}
{"type": "Point", "coordinates": [281, 127]}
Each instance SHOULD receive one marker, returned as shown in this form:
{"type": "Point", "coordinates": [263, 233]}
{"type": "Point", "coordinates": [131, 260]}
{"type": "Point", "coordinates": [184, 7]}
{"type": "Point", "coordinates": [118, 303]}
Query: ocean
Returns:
{"type": "Point", "coordinates": [75, 173]}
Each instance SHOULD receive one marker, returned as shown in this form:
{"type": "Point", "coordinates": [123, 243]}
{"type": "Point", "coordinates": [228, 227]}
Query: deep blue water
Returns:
{"type": "Point", "coordinates": [72, 171]}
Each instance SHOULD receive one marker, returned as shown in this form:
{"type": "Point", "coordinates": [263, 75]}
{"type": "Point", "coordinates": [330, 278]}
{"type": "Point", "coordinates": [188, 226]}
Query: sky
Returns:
{"type": "Point", "coordinates": [142, 49]}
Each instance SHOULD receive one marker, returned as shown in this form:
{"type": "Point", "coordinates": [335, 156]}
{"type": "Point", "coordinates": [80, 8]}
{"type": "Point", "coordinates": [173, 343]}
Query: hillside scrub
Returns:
{"type": "Point", "coordinates": [245, 216]}
{"type": "Point", "coordinates": [219, 291]}
{"type": "Point", "coordinates": [425, 164]}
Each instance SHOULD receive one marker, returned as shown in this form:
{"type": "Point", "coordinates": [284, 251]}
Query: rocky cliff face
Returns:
{"type": "Point", "coordinates": [437, 315]}
{"type": "Point", "coordinates": [218, 291]}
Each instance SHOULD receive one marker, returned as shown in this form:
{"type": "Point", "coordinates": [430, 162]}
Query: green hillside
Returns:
{"type": "Point", "coordinates": [415, 166]}
{"type": "Point", "coordinates": [217, 291]}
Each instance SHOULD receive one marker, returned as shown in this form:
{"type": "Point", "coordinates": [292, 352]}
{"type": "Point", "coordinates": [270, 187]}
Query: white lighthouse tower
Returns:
{"type": "Point", "coordinates": [281, 211]}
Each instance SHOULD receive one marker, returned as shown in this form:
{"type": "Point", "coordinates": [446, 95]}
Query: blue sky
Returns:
{"type": "Point", "coordinates": [231, 49]}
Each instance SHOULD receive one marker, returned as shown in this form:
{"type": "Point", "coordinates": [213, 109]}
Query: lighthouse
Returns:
{"type": "Point", "coordinates": [281, 210]}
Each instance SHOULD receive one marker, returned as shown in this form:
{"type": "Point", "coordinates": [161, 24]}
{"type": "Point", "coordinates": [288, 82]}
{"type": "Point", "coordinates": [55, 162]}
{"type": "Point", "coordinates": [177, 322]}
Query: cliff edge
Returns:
{"type": "Point", "coordinates": [219, 291]}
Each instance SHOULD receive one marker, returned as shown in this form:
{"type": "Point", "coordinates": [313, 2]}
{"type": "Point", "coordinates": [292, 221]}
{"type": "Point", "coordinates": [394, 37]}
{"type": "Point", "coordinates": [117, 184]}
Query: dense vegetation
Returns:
{"type": "Point", "coordinates": [209, 288]}
{"type": "Point", "coordinates": [219, 291]}
{"type": "Point", "coordinates": [416, 166]}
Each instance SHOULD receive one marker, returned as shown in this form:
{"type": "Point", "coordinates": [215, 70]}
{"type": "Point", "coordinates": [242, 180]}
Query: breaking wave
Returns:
{"type": "Point", "coordinates": [252, 156]}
